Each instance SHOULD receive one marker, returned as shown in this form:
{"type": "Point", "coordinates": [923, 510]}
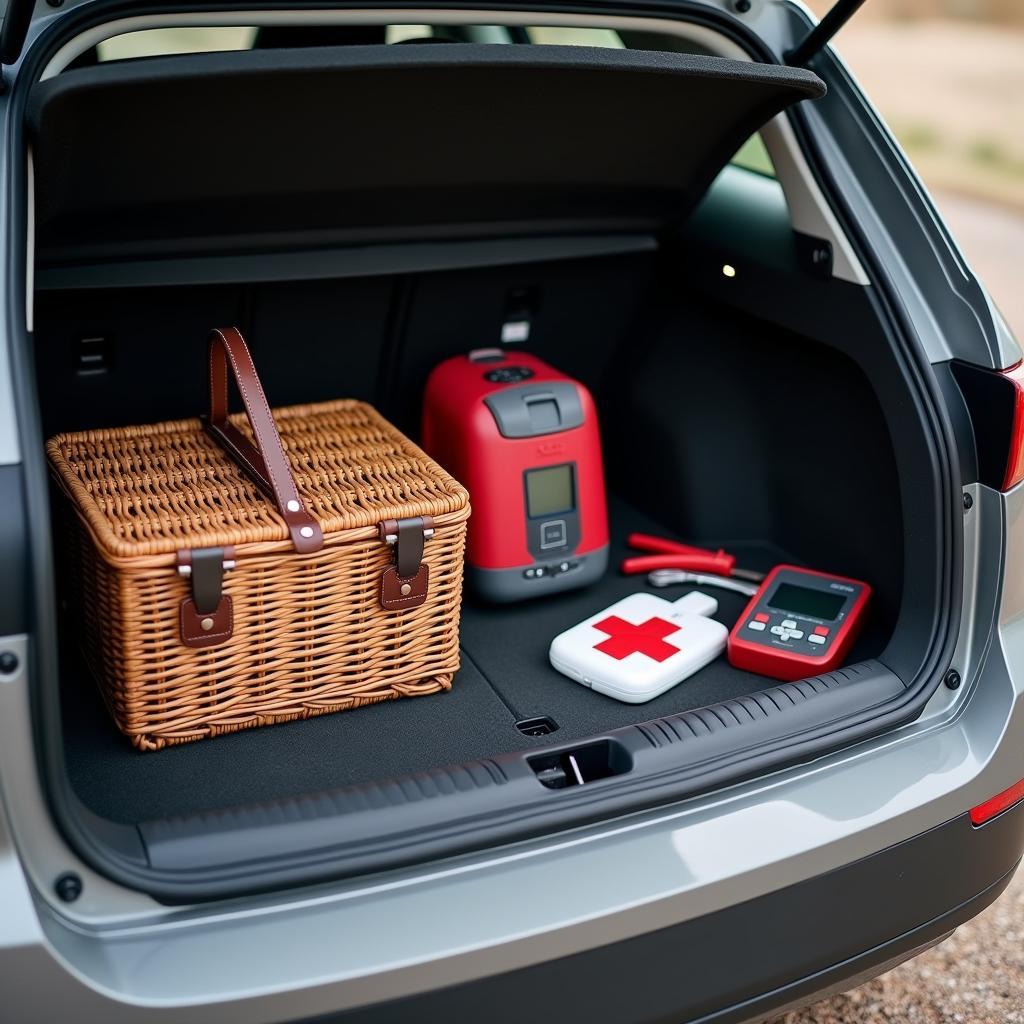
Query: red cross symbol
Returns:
{"type": "Point", "coordinates": [648, 638]}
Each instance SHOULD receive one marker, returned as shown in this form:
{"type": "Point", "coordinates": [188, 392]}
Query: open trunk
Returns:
{"type": "Point", "coordinates": [686, 389]}
{"type": "Point", "coordinates": [770, 411]}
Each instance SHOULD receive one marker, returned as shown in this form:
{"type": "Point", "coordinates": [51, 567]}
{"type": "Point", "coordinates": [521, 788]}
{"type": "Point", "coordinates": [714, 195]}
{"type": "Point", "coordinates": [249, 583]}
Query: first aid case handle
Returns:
{"type": "Point", "coordinates": [265, 462]}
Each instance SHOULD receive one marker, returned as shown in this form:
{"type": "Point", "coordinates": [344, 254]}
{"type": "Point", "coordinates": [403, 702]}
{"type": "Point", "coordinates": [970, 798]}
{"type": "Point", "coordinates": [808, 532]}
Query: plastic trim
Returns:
{"type": "Point", "coordinates": [442, 812]}
{"type": "Point", "coordinates": [320, 264]}
{"type": "Point", "coordinates": [892, 904]}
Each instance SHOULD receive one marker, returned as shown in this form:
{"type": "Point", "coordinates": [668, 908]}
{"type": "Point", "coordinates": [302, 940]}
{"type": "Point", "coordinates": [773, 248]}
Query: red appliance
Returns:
{"type": "Point", "coordinates": [523, 439]}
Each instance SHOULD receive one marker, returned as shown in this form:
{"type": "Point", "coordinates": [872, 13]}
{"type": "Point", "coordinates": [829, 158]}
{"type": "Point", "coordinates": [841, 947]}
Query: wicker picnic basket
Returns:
{"type": "Point", "coordinates": [324, 575]}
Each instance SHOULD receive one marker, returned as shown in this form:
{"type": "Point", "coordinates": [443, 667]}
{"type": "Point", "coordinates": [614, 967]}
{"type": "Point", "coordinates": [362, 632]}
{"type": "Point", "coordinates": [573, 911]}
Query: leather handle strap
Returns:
{"type": "Point", "coordinates": [265, 462]}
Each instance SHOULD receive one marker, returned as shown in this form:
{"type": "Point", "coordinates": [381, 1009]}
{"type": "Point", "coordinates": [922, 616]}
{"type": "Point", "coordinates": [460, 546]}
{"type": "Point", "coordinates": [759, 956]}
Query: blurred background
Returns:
{"type": "Point", "coordinates": [948, 78]}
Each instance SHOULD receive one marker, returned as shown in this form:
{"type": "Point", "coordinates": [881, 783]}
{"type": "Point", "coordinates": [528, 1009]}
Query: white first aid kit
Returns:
{"type": "Point", "coordinates": [641, 646]}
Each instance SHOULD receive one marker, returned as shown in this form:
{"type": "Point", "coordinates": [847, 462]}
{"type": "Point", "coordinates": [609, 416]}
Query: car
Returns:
{"type": "Point", "coordinates": [690, 208]}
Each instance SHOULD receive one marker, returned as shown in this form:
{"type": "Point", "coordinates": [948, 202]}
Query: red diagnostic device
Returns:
{"type": "Point", "coordinates": [799, 623]}
{"type": "Point", "coordinates": [523, 439]}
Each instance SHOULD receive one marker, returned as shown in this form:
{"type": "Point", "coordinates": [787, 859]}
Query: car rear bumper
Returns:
{"type": "Point", "coordinates": [743, 962]}
{"type": "Point", "coordinates": [759, 957]}
{"type": "Point", "coordinates": [723, 908]}
{"type": "Point", "coordinates": [747, 899]}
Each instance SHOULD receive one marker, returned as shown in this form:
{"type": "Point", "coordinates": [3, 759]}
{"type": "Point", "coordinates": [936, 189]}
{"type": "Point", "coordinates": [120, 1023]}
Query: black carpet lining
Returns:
{"type": "Point", "coordinates": [505, 677]}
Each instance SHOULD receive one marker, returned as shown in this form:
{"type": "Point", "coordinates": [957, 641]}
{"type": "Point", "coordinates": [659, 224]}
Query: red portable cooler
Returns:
{"type": "Point", "coordinates": [523, 438]}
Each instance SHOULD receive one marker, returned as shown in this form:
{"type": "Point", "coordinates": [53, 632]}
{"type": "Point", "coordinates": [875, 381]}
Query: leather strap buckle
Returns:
{"type": "Point", "coordinates": [207, 616]}
{"type": "Point", "coordinates": [405, 584]}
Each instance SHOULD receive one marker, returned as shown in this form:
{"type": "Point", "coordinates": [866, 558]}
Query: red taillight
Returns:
{"type": "Point", "coordinates": [1015, 458]}
{"type": "Point", "coordinates": [997, 804]}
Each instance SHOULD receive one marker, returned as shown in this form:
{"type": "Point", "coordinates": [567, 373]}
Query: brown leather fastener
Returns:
{"type": "Point", "coordinates": [198, 630]}
{"type": "Point", "coordinates": [207, 616]}
{"type": "Point", "coordinates": [397, 593]}
{"type": "Point", "coordinates": [405, 584]}
{"type": "Point", "coordinates": [265, 462]}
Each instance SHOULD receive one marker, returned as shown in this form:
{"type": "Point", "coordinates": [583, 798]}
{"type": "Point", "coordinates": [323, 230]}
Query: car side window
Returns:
{"type": "Point", "coordinates": [558, 35]}
{"type": "Point", "coordinates": [159, 42]}
{"type": "Point", "coordinates": [753, 156]}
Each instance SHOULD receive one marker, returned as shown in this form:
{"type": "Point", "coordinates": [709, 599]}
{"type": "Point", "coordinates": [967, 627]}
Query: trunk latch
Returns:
{"type": "Point", "coordinates": [207, 617]}
{"type": "Point", "coordinates": [405, 584]}
{"type": "Point", "coordinates": [580, 766]}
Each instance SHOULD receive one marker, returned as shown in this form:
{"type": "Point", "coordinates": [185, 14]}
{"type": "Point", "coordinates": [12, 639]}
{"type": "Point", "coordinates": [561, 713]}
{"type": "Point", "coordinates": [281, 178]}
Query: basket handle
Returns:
{"type": "Point", "coordinates": [265, 462]}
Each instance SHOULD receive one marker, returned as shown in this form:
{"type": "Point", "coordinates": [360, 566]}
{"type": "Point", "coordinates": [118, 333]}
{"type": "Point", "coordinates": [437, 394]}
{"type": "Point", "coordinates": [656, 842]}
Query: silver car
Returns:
{"type": "Point", "coordinates": [691, 208]}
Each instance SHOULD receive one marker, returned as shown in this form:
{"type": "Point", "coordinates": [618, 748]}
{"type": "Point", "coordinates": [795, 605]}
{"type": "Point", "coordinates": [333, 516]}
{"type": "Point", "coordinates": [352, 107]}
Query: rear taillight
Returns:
{"type": "Point", "coordinates": [1015, 458]}
{"type": "Point", "coordinates": [995, 403]}
{"type": "Point", "coordinates": [997, 804]}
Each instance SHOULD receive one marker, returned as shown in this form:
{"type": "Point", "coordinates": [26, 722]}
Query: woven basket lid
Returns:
{"type": "Point", "coordinates": [155, 489]}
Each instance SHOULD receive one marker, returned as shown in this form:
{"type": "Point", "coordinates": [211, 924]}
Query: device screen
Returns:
{"type": "Point", "coordinates": [805, 601]}
{"type": "Point", "coordinates": [549, 491]}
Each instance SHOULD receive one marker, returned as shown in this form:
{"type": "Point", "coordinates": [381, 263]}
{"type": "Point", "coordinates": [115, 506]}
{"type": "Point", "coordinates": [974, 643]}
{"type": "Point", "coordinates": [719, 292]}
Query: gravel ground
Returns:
{"type": "Point", "coordinates": [975, 977]}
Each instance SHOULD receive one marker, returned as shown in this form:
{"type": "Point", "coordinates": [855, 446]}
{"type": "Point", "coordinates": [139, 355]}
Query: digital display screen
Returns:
{"type": "Point", "coordinates": [549, 491]}
{"type": "Point", "coordinates": [818, 604]}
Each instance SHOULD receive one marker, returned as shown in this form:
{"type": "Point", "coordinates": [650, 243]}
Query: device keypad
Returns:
{"type": "Point", "coordinates": [787, 629]}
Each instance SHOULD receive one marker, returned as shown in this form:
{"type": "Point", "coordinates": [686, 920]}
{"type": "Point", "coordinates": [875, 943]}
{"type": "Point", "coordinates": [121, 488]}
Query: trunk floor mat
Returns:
{"type": "Point", "coordinates": [505, 678]}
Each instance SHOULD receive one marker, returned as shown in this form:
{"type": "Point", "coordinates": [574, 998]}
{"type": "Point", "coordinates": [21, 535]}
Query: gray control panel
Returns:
{"type": "Point", "coordinates": [534, 409]}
